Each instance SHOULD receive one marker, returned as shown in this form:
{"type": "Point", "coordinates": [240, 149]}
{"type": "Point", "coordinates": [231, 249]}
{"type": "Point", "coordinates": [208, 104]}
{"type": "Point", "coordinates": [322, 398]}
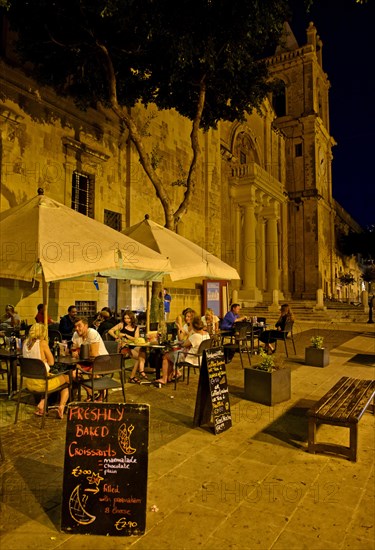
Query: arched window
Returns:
{"type": "Point", "coordinates": [244, 149]}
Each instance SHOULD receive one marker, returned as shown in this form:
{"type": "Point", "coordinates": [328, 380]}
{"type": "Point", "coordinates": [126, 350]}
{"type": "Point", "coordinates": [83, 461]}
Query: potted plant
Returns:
{"type": "Point", "coordinates": [266, 382]}
{"type": "Point", "coordinates": [317, 355]}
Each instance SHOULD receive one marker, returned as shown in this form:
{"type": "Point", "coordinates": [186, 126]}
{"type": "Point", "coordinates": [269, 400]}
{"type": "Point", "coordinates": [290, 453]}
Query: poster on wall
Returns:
{"type": "Point", "coordinates": [215, 296]}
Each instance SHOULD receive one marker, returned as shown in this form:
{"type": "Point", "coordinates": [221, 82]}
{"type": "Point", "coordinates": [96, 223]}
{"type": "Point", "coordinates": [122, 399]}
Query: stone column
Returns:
{"type": "Point", "coordinates": [319, 299]}
{"type": "Point", "coordinates": [249, 250]}
{"type": "Point", "coordinates": [272, 254]}
{"type": "Point", "coordinates": [237, 244]}
{"type": "Point", "coordinates": [234, 296]}
{"type": "Point", "coordinates": [261, 254]}
{"type": "Point", "coordinates": [365, 301]}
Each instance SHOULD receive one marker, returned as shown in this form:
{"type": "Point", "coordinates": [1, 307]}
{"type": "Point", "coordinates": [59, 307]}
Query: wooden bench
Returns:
{"type": "Point", "coordinates": [343, 405]}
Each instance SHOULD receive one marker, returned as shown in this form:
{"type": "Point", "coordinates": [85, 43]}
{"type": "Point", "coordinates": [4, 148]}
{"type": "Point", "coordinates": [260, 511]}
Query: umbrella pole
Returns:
{"type": "Point", "coordinates": [45, 287]}
{"type": "Point", "coordinates": [148, 305]}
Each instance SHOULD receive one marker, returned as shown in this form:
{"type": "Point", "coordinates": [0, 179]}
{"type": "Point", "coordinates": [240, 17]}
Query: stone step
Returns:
{"type": "Point", "coordinates": [304, 311]}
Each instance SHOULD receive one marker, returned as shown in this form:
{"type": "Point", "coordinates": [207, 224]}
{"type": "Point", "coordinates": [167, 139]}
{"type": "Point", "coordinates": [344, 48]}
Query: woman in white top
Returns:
{"type": "Point", "coordinates": [183, 330]}
{"type": "Point", "coordinates": [169, 358]}
{"type": "Point", "coordinates": [36, 347]}
{"type": "Point", "coordinates": [210, 321]}
{"type": "Point", "coordinates": [190, 345]}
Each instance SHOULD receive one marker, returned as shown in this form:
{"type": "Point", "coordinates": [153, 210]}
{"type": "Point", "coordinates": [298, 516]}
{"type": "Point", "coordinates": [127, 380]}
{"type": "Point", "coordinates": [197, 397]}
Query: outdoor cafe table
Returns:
{"type": "Point", "coordinates": [12, 357]}
{"type": "Point", "coordinates": [155, 353]}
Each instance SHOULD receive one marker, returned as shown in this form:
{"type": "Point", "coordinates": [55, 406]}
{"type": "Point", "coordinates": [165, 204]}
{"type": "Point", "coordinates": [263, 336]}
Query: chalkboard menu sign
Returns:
{"type": "Point", "coordinates": [213, 394]}
{"type": "Point", "coordinates": [105, 469]}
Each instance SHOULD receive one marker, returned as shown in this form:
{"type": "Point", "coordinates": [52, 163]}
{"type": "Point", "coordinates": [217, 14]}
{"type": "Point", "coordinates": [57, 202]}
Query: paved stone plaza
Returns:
{"type": "Point", "coordinates": [253, 486]}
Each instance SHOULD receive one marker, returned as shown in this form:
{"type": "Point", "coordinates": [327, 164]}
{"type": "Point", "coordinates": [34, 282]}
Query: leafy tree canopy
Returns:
{"type": "Point", "coordinates": [358, 243]}
{"type": "Point", "coordinates": [161, 51]}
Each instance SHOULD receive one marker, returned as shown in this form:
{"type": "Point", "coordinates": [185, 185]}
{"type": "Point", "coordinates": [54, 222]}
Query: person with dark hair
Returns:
{"type": "Point", "coordinates": [127, 330]}
{"type": "Point", "coordinates": [233, 316]}
{"type": "Point", "coordinates": [39, 317]}
{"type": "Point", "coordinates": [167, 304]}
{"type": "Point", "coordinates": [66, 326]}
{"type": "Point", "coordinates": [191, 345]}
{"type": "Point", "coordinates": [185, 328]}
{"type": "Point", "coordinates": [268, 336]}
{"type": "Point", "coordinates": [108, 321]}
{"type": "Point", "coordinates": [85, 335]}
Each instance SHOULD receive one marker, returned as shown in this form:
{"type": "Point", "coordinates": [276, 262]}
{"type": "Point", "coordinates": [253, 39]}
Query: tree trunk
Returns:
{"type": "Point", "coordinates": [157, 303]}
{"type": "Point", "coordinates": [171, 217]}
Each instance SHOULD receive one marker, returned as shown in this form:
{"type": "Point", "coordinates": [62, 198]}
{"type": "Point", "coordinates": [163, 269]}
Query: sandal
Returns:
{"type": "Point", "coordinates": [175, 377]}
{"type": "Point", "coordinates": [60, 412]}
{"type": "Point", "coordinates": [39, 412]}
{"type": "Point", "coordinates": [134, 380]}
{"type": "Point", "coordinates": [158, 383]}
{"type": "Point", "coordinates": [143, 375]}
{"type": "Point", "coordinates": [98, 397]}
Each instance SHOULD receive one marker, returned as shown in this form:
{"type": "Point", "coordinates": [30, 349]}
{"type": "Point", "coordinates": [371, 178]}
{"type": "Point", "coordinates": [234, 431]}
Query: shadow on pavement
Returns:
{"type": "Point", "coordinates": [290, 428]}
{"type": "Point", "coordinates": [30, 489]}
{"type": "Point", "coordinates": [365, 359]}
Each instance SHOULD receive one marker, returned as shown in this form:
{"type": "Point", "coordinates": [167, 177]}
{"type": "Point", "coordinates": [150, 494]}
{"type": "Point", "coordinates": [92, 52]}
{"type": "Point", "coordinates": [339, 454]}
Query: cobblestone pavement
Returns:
{"type": "Point", "coordinates": [253, 486]}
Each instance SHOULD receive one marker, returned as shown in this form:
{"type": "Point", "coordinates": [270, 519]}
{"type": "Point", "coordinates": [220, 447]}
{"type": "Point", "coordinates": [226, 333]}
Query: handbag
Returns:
{"type": "Point", "coordinates": [126, 352]}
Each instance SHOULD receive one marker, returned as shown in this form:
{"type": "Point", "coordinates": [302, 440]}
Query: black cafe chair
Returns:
{"type": "Point", "coordinates": [35, 369]}
{"type": "Point", "coordinates": [274, 335]}
{"type": "Point", "coordinates": [239, 343]}
{"type": "Point", "coordinates": [111, 346]}
{"type": "Point", "coordinates": [5, 370]}
{"type": "Point", "coordinates": [172, 331]}
{"type": "Point", "coordinates": [100, 378]}
{"type": "Point", "coordinates": [183, 360]}
{"type": "Point", "coordinates": [285, 335]}
{"type": "Point", "coordinates": [53, 334]}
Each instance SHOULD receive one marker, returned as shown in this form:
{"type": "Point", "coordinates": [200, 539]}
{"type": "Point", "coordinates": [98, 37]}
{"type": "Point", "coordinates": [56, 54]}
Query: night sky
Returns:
{"type": "Point", "coordinates": [347, 30]}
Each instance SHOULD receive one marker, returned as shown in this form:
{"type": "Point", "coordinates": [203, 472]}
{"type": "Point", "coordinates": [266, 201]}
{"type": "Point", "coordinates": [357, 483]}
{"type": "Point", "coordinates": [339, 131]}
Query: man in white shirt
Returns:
{"type": "Point", "coordinates": [85, 335]}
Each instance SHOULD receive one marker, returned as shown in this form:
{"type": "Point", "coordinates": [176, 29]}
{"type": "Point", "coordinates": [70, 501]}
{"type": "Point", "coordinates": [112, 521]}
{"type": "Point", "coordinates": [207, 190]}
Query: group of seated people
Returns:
{"type": "Point", "coordinates": [267, 337]}
{"type": "Point", "coordinates": [36, 346]}
{"type": "Point", "coordinates": [192, 330]}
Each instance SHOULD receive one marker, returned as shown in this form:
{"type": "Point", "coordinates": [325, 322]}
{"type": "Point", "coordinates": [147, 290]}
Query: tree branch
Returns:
{"type": "Point", "coordinates": [135, 136]}
{"type": "Point", "coordinates": [194, 138]}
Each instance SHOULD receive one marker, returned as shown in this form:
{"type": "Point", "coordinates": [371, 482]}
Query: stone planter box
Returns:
{"type": "Point", "coordinates": [317, 357]}
{"type": "Point", "coordinates": [267, 388]}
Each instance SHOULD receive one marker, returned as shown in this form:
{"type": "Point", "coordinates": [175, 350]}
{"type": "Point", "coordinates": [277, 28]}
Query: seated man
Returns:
{"type": "Point", "coordinates": [228, 323]}
{"type": "Point", "coordinates": [85, 335]}
{"type": "Point", "coordinates": [10, 318]}
{"type": "Point", "coordinates": [39, 317]}
{"type": "Point", "coordinates": [108, 322]}
{"type": "Point", "coordinates": [66, 326]}
{"type": "Point", "coordinates": [232, 317]}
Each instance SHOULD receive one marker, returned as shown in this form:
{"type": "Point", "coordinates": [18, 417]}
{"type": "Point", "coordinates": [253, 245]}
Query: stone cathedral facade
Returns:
{"type": "Point", "coordinates": [263, 200]}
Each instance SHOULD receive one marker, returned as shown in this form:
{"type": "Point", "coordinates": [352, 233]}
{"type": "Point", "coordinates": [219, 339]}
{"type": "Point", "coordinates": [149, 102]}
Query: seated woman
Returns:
{"type": "Point", "coordinates": [190, 345]}
{"type": "Point", "coordinates": [210, 321]}
{"type": "Point", "coordinates": [36, 347]}
{"type": "Point", "coordinates": [127, 330]}
{"type": "Point", "coordinates": [183, 332]}
{"type": "Point", "coordinates": [268, 336]}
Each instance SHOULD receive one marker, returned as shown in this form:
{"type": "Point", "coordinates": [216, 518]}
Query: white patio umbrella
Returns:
{"type": "Point", "coordinates": [187, 258]}
{"type": "Point", "coordinates": [44, 239]}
